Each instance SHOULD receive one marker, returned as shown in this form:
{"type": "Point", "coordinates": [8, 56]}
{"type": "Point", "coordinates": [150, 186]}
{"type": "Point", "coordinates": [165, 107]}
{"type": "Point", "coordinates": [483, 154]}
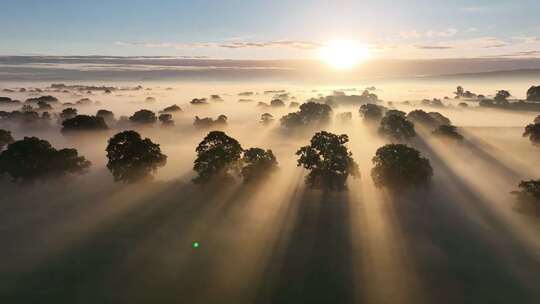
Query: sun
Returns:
{"type": "Point", "coordinates": [343, 54]}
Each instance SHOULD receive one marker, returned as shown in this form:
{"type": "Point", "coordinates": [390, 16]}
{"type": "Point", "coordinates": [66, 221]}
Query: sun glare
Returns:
{"type": "Point", "coordinates": [343, 54]}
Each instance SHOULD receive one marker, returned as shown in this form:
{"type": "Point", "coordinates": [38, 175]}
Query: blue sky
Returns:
{"type": "Point", "coordinates": [269, 29]}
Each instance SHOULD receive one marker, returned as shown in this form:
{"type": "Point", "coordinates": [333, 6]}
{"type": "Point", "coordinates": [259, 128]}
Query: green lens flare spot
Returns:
{"type": "Point", "coordinates": [195, 245]}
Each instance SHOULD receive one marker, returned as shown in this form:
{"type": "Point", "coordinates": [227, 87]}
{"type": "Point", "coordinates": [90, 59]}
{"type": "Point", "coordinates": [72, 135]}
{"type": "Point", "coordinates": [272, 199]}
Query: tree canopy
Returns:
{"type": "Point", "coordinates": [5, 138]}
{"type": "Point", "coordinates": [448, 132]}
{"type": "Point", "coordinates": [132, 158]}
{"type": "Point", "coordinates": [533, 132]}
{"type": "Point", "coordinates": [396, 127]}
{"type": "Point", "coordinates": [371, 112]}
{"type": "Point", "coordinates": [533, 93]}
{"type": "Point", "coordinates": [528, 197]}
{"type": "Point", "coordinates": [217, 156]}
{"type": "Point", "coordinates": [143, 117]}
{"type": "Point", "coordinates": [32, 159]}
{"type": "Point", "coordinates": [257, 163]}
{"type": "Point", "coordinates": [84, 123]}
{"type": "Point", "coordinates": [399, 167]}
{"type": "Point", "coordinates": [310, 114]}
{"type": "Point", "coordinates": [329, 161]}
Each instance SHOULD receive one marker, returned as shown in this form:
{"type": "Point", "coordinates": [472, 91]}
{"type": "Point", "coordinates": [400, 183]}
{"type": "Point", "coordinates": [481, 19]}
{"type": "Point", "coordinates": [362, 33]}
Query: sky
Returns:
{"type": "Point", "coordinates": [277, 29]}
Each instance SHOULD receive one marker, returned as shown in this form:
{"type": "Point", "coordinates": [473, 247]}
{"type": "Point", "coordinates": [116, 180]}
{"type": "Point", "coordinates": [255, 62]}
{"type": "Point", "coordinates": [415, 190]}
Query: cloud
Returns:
{"type": "Point", "coordinates": [292, 44]}
{"type": "Point", "coordinates": [450, 32]}
{"type": "Point", "coordinates": [434, 47]}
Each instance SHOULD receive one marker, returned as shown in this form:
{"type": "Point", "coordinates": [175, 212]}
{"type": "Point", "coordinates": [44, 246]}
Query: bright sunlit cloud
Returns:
{"type": "Point", "coordinates": [343, 54]}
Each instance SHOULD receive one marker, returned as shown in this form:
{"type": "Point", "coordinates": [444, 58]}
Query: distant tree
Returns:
{"type": "Point", "coordinates": [459, 91]}
{"type": "Point", "coordinates": [399, 167]}
{"type": "Point", "coordinates": [217, 156]}
{"type": "Point", "coordinates": [396, 112]}
{"type": "Point", "coordinates": [84, 123]}
{"type": "Point", "coordinates": [44, 106]}
{"type": "Point", "coordinates": [27, 108]}
{"type": "Point", "coordinates": [207, 122]}
{"type": "Point", "coordinates": [221, 120]}
{"type": "Point", "coordinates": [199, 101]}
{"type": "Point", "coordinates": [143, 117]}
{"type": "Point", "coordinates": [32, 159]}
{"type": "Point", "coordinates": [329, 161]}
{"type": "Point", "coordinates": [171, 109]}
{"type": "Point", "coordinates": [396, 127]}
{"type": "Point", "coordinates": [47, 99]}
{"type": "Point", "coordinates": [310, 114]}
{"type": "Point", "coordinates": [537, 119]}
{"type": "Point", "coordinates": [68, 113]}
{"type": "Point", "coordinates": [533, 132]}
{"type": "Point", "coordinates": [294, 104]}
{"type": "Point", "coordinates": [448, 132]}
{"type": "Point", "coordinates": [528, 197]}
{"type": "Point", "coordinates": [430, 120]}
{"type": "Point", "coordinates": [132, 158]}
{"type": "Point", "coordinates": [107, 115]}
{"type": "Point", "coordinates": [266, 119]}
{"type": "Point", "coordinates": [533, 93]}
{"type": "Point", "coordinates": [502, 97]}
{"type": "Point", "coordinates": [463, 104]}
{"type": "Point", "coordinates": [166, 119]}
{"type": "Point", "coordinates": [277, 103]}
{"type": "Point", "coordinates": [5, 138]}
{"type": "Point", "coordinates": [344, 117]}
{"type": "Point", "coordinates": [216, 98]}
{"type": "Point", "coordinates": [257, 163]}
{"type": "Point", "coordinates": [371, 112]}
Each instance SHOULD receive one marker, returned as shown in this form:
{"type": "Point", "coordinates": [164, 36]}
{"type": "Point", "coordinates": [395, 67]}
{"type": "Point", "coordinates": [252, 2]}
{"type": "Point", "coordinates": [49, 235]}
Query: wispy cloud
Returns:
{"type": "Point", "coordinates": [433, 47]}
{"type": "Point", "coordinates": [292, 44]}
{"type": "Point", "coordinates": [450, 32]}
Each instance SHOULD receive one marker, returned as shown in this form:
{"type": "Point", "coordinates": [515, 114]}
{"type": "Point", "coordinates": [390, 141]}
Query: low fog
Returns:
{"type": "Point", "coordinates": [88, 239]}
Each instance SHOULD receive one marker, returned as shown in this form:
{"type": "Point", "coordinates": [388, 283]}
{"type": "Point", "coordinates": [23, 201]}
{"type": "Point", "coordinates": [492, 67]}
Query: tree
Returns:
{"type": "Point", "coordinates": [166, 119]}
{"type": "Point", "coordinates": [528, 197]}
{"type": "Point", "coordinates": [217, 156]}
{"type": "Point", "coordinates": [5, 138]}
{"type": "Point", "coordinates": [132, 158]}
{"type": "Point", "coordinates": [32, 159]}
{"type": "Point", "coordinates": [107, 115]}
{"type": "Point", "coordinates": [266, 119]}
{"type": "Point", "coordinates": [329, 161]}
{"type": "Point", "coordinates": [430, 120]}
{"type": "Point", "coordinates": [68, 113]}
{"type": "Point", "coordinates": [310, 114]}
{"type": "Point", "coordinates": [171, 109]}
{"type": "Point", "coordinates": [399, 167]}
{"type": "Point", "coordinates": [533, 132]}
{"type": "Point", "coordinates": [396, 127]}
{"type": "Point", "coordinates": [143, 117]}
{"type": "Point", "coordinates": [84, 123]}
{"type": "Point", "coordinates": [459, 91]}
{"type": "Point", "coordinates": [371, 112]}
{"type": "Point", "coordinates": [533, 93]}
{"type": "Point", "coordinates": [502, 97]}
{"type": "Point", "coordinates": [277, 103]}
{"type": "Point", "coordinates": [257, 163]}
{"type": "Point", "coordinates": [447, 132]}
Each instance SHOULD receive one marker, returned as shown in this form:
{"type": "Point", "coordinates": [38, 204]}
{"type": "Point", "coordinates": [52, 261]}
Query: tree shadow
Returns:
{"type": "Point", "coordinates": [314, 265]}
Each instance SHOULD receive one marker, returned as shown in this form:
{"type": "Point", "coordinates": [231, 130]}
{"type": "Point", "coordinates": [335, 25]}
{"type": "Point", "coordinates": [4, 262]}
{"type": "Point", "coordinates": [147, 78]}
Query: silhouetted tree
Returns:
{"type": "Point", "coordinates": [502, 97]}
{"type": "Point", "coordinates": [171, 109]}
{"type": "Point", "coordinates": [207, 122]}
{"type": "Point", "coordinates": [47, 99]}
{"type": "Point", "coordinates": [132, 158]}
{"type": "Point", "coordinates": [429, 120]}
{"type": "Point", "coordinates": [257, 163]}
{"type": "Point", "coordinates": [310, 114]}
{"type": "Point", "coordinates": [107, 115]}
{"type": "Point", "coordinates": [533, 132]}
{"type": "Point", "coordinates": [396, 127]}
{"type": "Point", "coordinates": [277, 103]}
{"type": "Point", "coordinates": [44, 106]}
{"type": "Point", "coordinates": [216, 98]}
{"type": "Point", "coordinates": [143, 117]}
{"type": "Point", "coordinates": [266, 119]}
{"type": "Point", "coordinates": [329, 161]}
{"type": "Point", "coordinates": [533, 93]}
{"type": "Point", "coordinates": [399, 167]}
{"type": "Point", "coordinates": [371, 112]}
{"type": "Point", "coordinates": [32, 159]}
{"type": "Point", "coordinates": [5, 138]}
{"type": "Point", "coordinates": [198, 101]}
{"type": "Point", "coordinates": [68, 113]}
{"type": "Point", "coordinates": [84, 123]}
{"type": "Point", "coordinates": [528, 197]}
{"type": "Point", "coordinates": [459, 91]}
{"type": "Point", "coordinates": [448, 132]}
{"type": "Point", "coordinates": [166, 119]}
{"type": "Point", "coordinates": [344, 117]}
{"type": "Point", "coordinates": [217, 156]}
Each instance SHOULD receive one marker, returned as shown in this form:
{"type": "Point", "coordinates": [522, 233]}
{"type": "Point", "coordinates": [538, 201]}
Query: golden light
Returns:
{"type": "Point", "coordinates": [343, 54]}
